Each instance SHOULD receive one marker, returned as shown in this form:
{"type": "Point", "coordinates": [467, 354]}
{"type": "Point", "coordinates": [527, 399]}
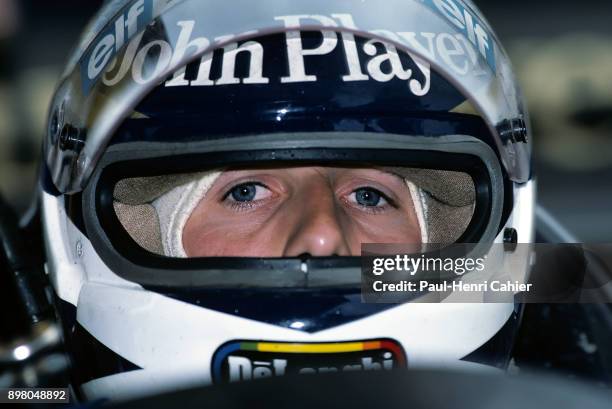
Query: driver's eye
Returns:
{"type": "Point", "coordinates": [244, 193]}
{"type": "Point", "coordinates": [247, 192]}
{"type": "Point", "coordinates": [368, 197]}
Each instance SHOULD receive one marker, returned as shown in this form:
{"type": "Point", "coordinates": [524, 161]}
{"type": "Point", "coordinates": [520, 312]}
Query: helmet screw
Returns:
{"type": "Point", "coordinates": [70, 138]}
{"type": "Point", "coordinates": [510, 239]}
{"type": "Point", "coordinates": [56, 122]}
{"type": "Point", "coordinates": [514, 130]}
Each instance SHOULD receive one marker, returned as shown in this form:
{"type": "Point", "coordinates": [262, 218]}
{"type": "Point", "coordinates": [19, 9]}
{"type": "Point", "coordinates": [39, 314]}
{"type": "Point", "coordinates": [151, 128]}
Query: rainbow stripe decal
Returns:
{"type": "Point", "coordinates": [336, 352]}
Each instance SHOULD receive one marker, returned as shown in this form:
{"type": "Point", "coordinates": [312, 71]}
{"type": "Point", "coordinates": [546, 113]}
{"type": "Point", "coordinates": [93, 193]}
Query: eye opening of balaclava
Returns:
{"type": "Point", "coordinates": [154, 210]}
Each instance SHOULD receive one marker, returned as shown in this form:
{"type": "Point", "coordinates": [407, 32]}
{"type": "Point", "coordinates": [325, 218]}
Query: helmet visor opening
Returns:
{"type": "Point", "coordinates": [270, 206]}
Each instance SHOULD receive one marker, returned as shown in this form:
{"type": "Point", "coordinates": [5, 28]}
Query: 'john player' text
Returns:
{"type": "Point", "coordinates": [371, 60]}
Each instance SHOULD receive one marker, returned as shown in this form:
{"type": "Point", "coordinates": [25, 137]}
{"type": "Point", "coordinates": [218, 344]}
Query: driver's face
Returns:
{"type": "Point", "coordinates": [288, 212]}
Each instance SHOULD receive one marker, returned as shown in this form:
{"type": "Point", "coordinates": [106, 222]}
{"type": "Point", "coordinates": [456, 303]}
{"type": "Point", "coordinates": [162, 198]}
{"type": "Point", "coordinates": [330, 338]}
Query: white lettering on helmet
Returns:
{"type": "Point", "coordinates": [245, 369]}
{"type": "Point", "coordinates": [454, 51]}
{"type": "Point", "coordinates": [296, 51]}
{"type": "Point", "coordinates": [458, 15]}
{"type": "Point", "coordinates": [112, 40]}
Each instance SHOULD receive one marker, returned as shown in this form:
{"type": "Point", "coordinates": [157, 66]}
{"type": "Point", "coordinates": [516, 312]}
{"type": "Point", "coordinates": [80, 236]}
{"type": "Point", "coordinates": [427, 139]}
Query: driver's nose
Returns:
{"type": "Point", "coordinates": [318, 230]}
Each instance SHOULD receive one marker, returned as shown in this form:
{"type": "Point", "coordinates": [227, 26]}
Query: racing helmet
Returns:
{"type": "Point", "coordinates": [162, 99]}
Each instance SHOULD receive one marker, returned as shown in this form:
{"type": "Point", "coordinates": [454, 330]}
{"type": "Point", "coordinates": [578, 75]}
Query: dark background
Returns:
{"type": "Point", "coordinates": [562, 52]}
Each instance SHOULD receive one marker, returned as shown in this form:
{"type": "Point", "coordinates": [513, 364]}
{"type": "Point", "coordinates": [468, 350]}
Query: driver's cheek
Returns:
{"type": "Point", "coordinates": [395, 227]}
{"type": "Point", "coordinates": [244, 238]}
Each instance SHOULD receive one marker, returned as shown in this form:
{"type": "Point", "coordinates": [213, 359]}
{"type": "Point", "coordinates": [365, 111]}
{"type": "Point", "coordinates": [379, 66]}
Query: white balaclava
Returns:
{"type": "Point", "coordinates": [174, 208]}
{"type": "Point", "coordinates": [418, 200]}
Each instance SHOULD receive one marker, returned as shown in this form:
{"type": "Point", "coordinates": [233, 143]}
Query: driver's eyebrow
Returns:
{"type": "Point", "coordinates": [394, 174]}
